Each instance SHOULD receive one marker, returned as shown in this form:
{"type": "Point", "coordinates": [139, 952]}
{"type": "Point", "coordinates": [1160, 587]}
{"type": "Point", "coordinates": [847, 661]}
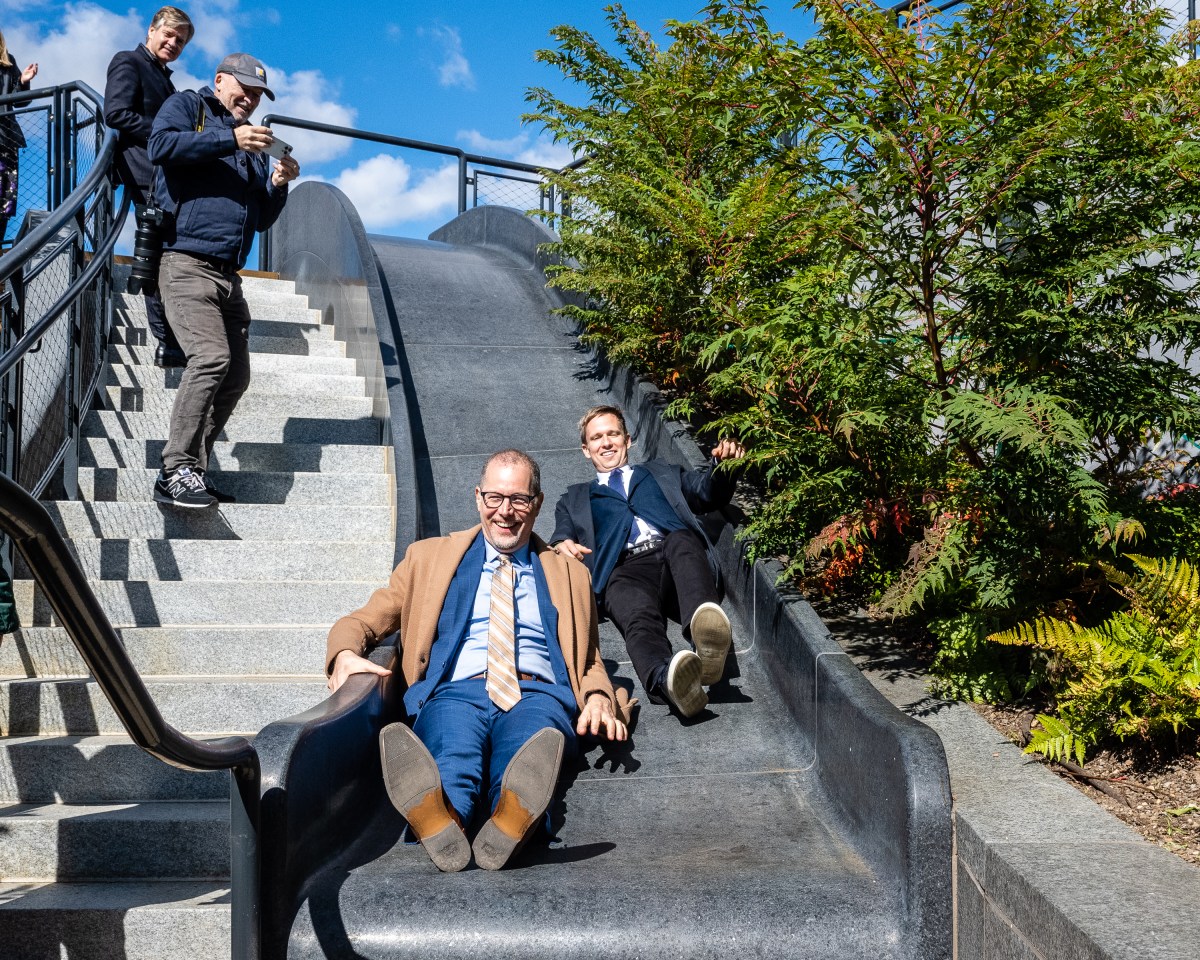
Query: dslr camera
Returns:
{"type": "Point", "coordinates": [147, 249]}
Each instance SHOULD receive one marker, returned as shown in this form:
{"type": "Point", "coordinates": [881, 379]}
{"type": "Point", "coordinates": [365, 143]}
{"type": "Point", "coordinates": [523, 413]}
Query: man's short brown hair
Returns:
{"type": "Point", "coordinates": [174, 17]}
{"type": "Point", "coordinates": [600, 411]}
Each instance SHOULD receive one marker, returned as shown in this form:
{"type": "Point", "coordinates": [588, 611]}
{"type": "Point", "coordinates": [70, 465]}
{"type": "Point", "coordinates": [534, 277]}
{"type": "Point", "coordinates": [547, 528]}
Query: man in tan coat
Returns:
{"type": "Point", "coordinates": [499, 649]}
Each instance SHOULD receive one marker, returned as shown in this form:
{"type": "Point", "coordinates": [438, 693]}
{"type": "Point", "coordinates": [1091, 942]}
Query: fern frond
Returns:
{"type": "Point", "coordinates": [1056, 740]}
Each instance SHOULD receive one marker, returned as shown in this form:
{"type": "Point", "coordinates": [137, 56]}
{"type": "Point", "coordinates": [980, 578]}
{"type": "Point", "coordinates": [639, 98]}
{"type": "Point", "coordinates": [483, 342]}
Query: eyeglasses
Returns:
{"type": "Point", "coordinates": [520, 501]}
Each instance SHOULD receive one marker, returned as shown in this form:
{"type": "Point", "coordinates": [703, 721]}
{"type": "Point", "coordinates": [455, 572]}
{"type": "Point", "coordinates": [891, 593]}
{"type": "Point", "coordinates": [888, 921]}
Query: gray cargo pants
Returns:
{"type": "Point", "coordinates": [208, 314]}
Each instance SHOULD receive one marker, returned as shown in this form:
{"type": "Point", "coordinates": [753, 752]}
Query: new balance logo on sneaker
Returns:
{"type": "Point", "coordinates": [183, 488]}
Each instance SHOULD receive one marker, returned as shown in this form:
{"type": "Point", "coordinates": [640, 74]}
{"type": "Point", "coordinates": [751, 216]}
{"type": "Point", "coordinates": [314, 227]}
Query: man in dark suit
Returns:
{"type": "Point", "coordinates": [499, 648]}
{"type": "Point", "coordinates": [139, 82]}
{"type": "Point", "coordinates": [636, 529]}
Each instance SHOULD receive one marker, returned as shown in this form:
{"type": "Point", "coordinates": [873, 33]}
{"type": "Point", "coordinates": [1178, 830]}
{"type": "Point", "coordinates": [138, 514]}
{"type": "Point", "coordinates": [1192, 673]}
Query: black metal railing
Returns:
{"type": "Point", "coordinates": [55, 283]}
{"type": "Point", "coordinates": [32, 531]}
{"type": "Point", "coordinates": [482, 180]}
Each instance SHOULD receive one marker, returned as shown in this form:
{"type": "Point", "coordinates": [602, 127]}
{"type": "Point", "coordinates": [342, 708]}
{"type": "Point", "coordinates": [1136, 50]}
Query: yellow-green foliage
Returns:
{"type": "Point", "coordinates": [1137, 674]}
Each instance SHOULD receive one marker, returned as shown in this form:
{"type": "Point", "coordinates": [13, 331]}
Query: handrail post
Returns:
{"type": "Point", "coordinates": [244, 872]}
{"type": "Point", "coordinates": [462, 183]}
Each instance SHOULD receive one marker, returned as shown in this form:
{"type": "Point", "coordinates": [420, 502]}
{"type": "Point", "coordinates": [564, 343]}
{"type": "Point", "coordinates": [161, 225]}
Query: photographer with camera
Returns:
{"type": "Point", "coordinates": [139, 83]}
{"type": "Point", "coordinates": [216, 186]}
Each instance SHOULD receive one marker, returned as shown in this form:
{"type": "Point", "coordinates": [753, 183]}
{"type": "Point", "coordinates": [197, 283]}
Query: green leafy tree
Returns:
{"type": "Point", "coordinates": [939, 271]}
{"type": "Point", "coordinates": [675, 216]}
{"type": "Point", "coordinates": [993, 346]}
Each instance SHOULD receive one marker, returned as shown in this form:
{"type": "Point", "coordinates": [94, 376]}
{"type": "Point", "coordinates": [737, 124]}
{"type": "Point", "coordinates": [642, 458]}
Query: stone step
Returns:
{"type": "Point", "coordinates": [351, 489]}
{"type": "Point", "coordinates": [333, 459]}
{"type": "Point", "coordinates": [313, 427]}
{"type": "Point", "coordinates": [201, 706]}
{"type": "Point", "coordinates": [262, 379]}
{"type": "Point", "coordinates": [96, 770]}
{"type": "Point", "coordinates": [180, 651]}
{"type": "Point", "coordinates": [167, 920]}
{"type": "Point", "coordinates": [167, 841]}
{"type": "Point", "coordinates": [154, 603]}
{"type": "Point", "coordinates": [243, 561]}
{"type": "Point", "coordinates": [294, 364]}
{"type": "Point", "coordinates": [229, 521]}
{"type": "Point", "coordinates": [132, 351]}
{"type": "Point", "coordinates": [158, 402]}
{"type": "Point", "coordinates": [129, 327]}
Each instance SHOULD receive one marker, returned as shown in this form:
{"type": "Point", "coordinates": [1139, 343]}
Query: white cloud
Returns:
{"type": "Point", "coordinates": [308, 95]}
{"type": "Point", "coordinates": [84, 37]}
{"type": "Point", "coordinates": [387, 191]}
{"type": "Point", "coordinates": [541, 152]}
{"type": "Point", "coordinates": [455, 69]}
{"type": "Point", "coordinates": [79, 47]}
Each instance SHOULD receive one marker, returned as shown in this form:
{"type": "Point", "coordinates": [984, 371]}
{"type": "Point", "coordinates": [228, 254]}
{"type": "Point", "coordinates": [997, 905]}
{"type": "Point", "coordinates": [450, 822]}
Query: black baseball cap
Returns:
{"type": "Point", "coordinates": [247, 71]}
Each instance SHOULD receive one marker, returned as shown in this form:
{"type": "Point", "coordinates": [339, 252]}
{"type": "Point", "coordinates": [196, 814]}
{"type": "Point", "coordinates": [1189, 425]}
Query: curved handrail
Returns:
{"type": "Point", "coordinates": [15, 258]}
{"type": "Point", "coordinates": [34, 534]}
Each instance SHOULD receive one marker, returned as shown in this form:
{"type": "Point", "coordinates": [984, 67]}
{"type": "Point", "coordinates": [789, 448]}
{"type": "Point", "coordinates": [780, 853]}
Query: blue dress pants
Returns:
{"type": "Point", "coordinates": [473, 740]}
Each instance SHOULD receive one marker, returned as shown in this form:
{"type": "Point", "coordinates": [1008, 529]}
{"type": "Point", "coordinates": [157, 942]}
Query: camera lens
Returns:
{"type": "Point", "coordinates": [147, 251]}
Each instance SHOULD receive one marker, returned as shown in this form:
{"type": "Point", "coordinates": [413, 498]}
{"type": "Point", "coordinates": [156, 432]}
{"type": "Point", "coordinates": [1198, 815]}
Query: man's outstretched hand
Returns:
{"type": "Point", "coordinates": [728, 449]}
{"type": "Point", "coordinates": [597, 718]}
{"type": "Point", "coordinates": [347, 663]}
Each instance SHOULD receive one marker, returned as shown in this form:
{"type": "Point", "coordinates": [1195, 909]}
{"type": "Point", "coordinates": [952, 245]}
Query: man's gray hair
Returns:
{"type": "Point", "coordinates": [512, 458]}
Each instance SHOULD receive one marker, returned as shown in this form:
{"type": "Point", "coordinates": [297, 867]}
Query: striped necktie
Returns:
{"type": "Point", "coordinates": [502, 685]}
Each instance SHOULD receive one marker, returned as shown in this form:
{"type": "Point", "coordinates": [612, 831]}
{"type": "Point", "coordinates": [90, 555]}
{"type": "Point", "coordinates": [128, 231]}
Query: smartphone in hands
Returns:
{"type": "Point", "coordinates": [279, 149]}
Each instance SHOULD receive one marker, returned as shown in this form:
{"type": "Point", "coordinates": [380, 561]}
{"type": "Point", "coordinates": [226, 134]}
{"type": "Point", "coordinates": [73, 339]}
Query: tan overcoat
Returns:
{"type": "Point", "coordinates": [412, 601]}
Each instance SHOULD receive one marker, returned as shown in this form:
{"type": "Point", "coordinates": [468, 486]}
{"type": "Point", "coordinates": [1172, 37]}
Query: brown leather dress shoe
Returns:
{"type": "Point", "coordinates": [415, 788]}
{"type": "Point", "coordinates": [525, 793]}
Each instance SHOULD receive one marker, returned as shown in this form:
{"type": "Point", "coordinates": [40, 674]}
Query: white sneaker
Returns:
{"type": "Point", "coordinates": [683, 684]}
{"type": "Point", "coordinates": [711, 636]}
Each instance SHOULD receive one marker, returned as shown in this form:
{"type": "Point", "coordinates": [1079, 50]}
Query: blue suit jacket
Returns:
{"type": "Point", "coordinates": [452, 631]}
{"type": "Point", "coordinates": [689, 492]}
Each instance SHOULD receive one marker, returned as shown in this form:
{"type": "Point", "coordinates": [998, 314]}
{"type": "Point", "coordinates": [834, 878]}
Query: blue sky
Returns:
{"type": "Point", "coordinates": [454, 72]}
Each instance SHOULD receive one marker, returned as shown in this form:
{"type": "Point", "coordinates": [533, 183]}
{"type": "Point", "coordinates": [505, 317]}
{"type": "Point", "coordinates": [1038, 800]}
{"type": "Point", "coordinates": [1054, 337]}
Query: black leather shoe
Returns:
{"type": "Point", "coordinates": [165, 356]}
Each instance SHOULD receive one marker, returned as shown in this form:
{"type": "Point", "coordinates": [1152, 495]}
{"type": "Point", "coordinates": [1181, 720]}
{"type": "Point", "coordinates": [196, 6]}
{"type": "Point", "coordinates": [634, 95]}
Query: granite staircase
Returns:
{"type": "Point", "coordinates": [106, 852]}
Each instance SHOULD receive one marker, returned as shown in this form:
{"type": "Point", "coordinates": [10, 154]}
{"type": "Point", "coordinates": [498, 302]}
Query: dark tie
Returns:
{"type": "Point", "coordinates": [616, 483]}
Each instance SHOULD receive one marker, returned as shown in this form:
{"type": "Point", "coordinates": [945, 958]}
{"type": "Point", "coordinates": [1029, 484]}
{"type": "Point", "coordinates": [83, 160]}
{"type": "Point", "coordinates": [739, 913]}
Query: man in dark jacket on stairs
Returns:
{"type": "Point", "coordinates": [139, 83]}
{"type": "Point", "coordinates": [217, 187]}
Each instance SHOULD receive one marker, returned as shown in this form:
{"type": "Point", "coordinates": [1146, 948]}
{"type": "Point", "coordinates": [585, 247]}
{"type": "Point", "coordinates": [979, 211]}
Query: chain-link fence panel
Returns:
{"type": "Point", "coordinates": [52, 328]}
{"type": "Point", "coordinates": [523, 193]}
{"type": "Point", "coordinates": [25, 150]}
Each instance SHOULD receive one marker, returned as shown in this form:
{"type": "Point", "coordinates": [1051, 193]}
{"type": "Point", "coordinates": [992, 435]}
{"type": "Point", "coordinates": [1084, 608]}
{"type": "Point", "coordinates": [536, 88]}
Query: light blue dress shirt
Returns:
{"type": "Point", "coordinates": [532, 654]}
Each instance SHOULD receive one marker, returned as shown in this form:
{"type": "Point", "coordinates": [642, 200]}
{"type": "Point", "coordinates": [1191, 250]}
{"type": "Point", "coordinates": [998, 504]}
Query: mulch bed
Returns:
{"type": "Point", "coordinates": [1154, 791]}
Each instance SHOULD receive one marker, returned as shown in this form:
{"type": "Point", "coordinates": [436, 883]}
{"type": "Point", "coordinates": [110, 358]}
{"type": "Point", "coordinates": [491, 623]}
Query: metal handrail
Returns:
{"type": "Point", "coordinates": [22, 251]}
{"type": "Point", "coordinates": [56, 571]}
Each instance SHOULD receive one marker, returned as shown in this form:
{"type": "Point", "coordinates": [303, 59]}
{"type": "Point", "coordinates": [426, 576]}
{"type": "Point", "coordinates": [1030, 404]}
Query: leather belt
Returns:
{"type": "Point", "coordinates": [227, 267]}
{"type": "Point", "coordinates": [646, 546]}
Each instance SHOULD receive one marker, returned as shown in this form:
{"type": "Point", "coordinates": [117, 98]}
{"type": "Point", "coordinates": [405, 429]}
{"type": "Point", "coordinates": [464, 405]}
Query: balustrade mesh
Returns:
{"type": "Point", "coordinates": [507, 190]}
{"type": "Point", "coordinates": [43, 396]}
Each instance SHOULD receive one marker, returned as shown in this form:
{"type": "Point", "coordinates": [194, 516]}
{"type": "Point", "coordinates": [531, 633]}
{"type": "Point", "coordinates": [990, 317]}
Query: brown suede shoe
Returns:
{"type": "Point", "coordinates": [525, 793]}
{"type": "Point", "coordinates": [415, 788]}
